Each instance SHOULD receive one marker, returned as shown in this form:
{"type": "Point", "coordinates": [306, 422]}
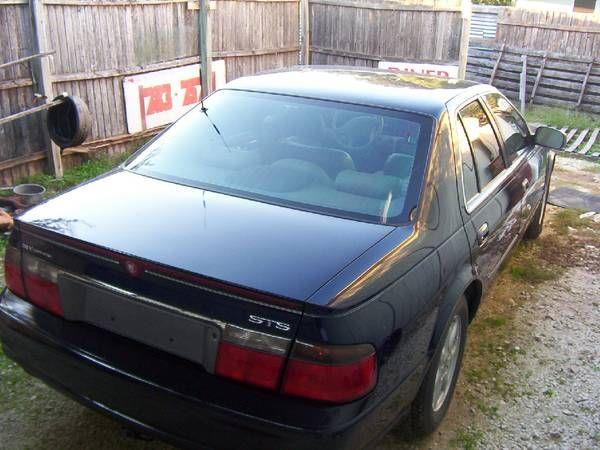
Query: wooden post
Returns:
{"type": "Point", "coordinates": [538, 78]}
{"type": "Point", "coordinates": [497, 64]}
{"type": "Point", "coordinates": [205, 47]}
{"type": "Point", "coordinates": [523, 83]}
{"type": "Point", "coordinates": [304, 32]}
{"type": "Point", "coordinates": [465, 32]}
{"type": "Point", "coordinates": [43, 80]}
{"type": "Point", "coordinates": [584, 84]}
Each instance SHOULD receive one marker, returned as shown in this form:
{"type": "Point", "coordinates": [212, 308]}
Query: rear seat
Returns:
{"type": "Point", "coordinates": [332, 161]}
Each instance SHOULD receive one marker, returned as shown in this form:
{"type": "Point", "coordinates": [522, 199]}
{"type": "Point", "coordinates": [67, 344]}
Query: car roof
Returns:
{"type": "Point", "coordinates": [367, 86]}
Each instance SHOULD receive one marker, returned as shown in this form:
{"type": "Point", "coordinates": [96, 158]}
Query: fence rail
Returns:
{"type": "Point", "coordinates": [550, 30]}
{"type": "Point", "coordinates": [551, 78]}
{"type": "Point", "coordinates": [363, 33]}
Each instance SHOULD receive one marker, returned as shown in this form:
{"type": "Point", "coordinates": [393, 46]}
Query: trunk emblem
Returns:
{"type": "Point", "coordinates": [132, 268]}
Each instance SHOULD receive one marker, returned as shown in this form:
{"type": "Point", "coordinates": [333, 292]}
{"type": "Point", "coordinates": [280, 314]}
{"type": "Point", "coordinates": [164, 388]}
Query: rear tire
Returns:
{"type": "Point", "coordinates": [434, 396]}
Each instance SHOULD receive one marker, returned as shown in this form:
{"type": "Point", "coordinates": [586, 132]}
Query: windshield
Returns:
{"type": "Point", "coordinates": [333, 158]}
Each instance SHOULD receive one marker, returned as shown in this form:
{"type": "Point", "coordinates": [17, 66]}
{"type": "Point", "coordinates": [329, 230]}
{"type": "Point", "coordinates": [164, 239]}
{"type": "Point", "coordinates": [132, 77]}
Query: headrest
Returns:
{"type": "Point", "coordinates": [398, 165]}
{"type": "Point", "coordinates": [306, 170]}
{"type": "Point", "coordinates": [375, 185]}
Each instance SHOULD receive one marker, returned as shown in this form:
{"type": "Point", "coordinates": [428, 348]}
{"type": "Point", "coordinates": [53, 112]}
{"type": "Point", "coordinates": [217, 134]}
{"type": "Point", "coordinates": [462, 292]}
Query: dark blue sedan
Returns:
{"type": "Point", "coordinates": [291, 265]}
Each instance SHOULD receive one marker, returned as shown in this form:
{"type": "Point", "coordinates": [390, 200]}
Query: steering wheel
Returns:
{"type": "Point", "coordinates": [358, 132]}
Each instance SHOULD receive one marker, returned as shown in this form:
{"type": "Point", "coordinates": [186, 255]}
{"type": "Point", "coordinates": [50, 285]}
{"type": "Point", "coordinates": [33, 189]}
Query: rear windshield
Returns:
{"type": "Point", "coordinates": [333, 158]}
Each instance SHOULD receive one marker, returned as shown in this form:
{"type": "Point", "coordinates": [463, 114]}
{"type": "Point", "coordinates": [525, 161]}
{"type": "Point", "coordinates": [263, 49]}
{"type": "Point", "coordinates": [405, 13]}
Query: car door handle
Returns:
{"type": "Point", "coordinates": [482, 232]}
{"type": "Point", "coordinates": [525, 184]}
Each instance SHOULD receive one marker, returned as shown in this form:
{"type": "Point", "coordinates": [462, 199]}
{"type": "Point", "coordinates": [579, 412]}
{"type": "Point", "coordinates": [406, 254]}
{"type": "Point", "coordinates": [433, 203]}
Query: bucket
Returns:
{"type": "Point", "coordinates": [30, 194]}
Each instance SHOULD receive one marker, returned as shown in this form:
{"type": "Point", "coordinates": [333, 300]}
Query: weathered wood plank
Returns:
{"type": "Point", "coordinates": [553, 27]}
{"type": "Point", "coordinates": [523, 84]}
{"type": "Point", "coordinates": [584, 84]}
{"type": "Point", "coordinates": [571, 134]}
{"type": "Point", "coordinates": [538, 77]}
{"type": "Point", "coordinates": [590, 143]}
{"type": "Point", "coordinates": [387, 5]}
{"type": "Point", "coordinates": [495, 68]}
{"type": "Point", "coordinates": [44, 81]}
{"type": "Point", "coordinates": [571, 148]}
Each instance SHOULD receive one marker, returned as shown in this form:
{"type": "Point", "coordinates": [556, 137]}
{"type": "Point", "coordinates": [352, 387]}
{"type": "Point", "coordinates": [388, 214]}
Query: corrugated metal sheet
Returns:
{"type": "Point", "coordinates": [484, 21]}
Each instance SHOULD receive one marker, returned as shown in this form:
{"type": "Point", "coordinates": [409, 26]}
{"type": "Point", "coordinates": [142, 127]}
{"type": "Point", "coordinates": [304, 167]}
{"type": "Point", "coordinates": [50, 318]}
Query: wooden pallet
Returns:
{"type": "Point", "coordinates": [582, 141]}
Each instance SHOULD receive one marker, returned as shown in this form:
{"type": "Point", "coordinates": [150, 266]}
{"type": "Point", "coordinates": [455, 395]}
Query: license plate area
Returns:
{"type": "Point", "coordinates": [141, 320]}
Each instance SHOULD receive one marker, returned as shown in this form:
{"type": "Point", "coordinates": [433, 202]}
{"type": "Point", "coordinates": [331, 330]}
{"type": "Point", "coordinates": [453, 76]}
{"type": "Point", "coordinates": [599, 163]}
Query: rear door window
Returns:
{"type": "Point", "coordinates": [484, 144]}
{"type": "Point", "coordinates": [513, 128]}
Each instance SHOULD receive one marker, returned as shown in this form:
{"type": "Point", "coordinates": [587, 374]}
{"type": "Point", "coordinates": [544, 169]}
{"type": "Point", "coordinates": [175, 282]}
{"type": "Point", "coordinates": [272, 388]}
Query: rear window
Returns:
{"type": "Point", "coordinates": [339, 159]}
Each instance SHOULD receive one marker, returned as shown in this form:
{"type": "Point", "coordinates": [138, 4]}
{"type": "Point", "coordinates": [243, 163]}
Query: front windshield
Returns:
{"type": "Point", "coordinates": [327, 157]}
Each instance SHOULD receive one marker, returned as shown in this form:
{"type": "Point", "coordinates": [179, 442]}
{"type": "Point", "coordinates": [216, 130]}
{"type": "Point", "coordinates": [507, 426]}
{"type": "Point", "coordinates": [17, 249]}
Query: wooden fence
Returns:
{"type": "Point", "coordinates": [551, 78]}
{"type": "Point", "coordinates": [574, 34]}
{"type": "Point", "coordinates": [98, 42]}
{"type": "Point", "coordinates": [364, 32]}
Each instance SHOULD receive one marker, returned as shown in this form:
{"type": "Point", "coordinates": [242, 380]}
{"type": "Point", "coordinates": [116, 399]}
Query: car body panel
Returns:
{"type": "Point", "coordinates": [183, 227]}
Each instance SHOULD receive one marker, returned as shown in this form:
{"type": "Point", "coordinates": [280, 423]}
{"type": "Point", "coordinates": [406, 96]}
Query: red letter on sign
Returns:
{"type": "Point", "coordinates": [160, 98]}
{"type": "Point", "coordinates": [191, 93]}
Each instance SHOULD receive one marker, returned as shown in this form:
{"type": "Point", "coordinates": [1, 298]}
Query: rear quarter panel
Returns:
{"type": "Point", "coordinates": [394, 303]}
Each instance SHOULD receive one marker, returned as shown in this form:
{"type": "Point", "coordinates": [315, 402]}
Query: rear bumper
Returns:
{"type": "Point", "coordinates": [161, 410]}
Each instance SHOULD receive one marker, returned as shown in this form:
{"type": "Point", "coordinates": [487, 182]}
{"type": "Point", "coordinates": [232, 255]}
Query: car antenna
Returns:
{"type": "Point", "coordinates": [204, 109]}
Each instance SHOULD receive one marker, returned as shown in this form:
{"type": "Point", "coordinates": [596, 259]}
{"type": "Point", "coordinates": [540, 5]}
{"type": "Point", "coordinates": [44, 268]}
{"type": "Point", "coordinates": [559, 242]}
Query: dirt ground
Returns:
{"type": "Point", "coordinates": [530, 378]}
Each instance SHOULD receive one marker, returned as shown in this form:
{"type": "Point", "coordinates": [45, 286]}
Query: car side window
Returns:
{"type": "Point", "coordinates": [468, 167]}
{"type": "Point", "coordinates": [484, 144]}
{"type": "Point", "coordinates": [513, 128]}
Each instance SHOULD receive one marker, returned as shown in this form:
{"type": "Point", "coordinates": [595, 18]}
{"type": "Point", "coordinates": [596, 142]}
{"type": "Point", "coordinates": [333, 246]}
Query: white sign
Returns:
{"type": "Point", "coordinates": [158, 98]}
{"type": "Point", "coordinates": [435, 70]}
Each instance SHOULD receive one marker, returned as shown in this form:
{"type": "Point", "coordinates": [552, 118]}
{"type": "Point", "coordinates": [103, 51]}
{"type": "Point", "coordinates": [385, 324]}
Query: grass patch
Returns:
{"type": "Point", "coordinates": [494, 321]}
{"type": "Point", "coordinates": [72, 177]}
{"type": "Point", "coordinates": [549, 393]}
{"type": "Point", "coordinates": [468, 439]}
{"type": "Point", "coordinates": [532, 273]}
{"type": "Point", "coordinates": [489, 410]}
{"type": "Point", "coordinates": [568, 218]}
{"type": "Point", "coordinates": [561, 117]}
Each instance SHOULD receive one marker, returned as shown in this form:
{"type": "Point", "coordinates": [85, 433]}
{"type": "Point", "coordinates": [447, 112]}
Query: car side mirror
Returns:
{"type": "Point", "coordinates": [550, 137]}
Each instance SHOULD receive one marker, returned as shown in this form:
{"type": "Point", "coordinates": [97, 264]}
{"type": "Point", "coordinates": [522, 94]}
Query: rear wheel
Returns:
{"type": "Point", "coordinates": [435, 394]}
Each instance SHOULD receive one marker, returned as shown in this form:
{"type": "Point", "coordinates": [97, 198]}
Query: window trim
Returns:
{"type": "Point", "coordinates": [497, 127]}
{"type": "Point", "coordinates": [477, 183]}
{"type": "Point", "coordinates": [490, 189]}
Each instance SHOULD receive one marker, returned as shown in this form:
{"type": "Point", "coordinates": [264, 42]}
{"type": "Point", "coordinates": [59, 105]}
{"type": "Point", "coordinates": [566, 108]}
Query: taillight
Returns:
{"type": "Point", "coordinates": [329, 373]}
{"type": "Point", "coordinates": [41, 284]}
{"type": "Point", "coordinates": [12, 270]}
{"type": "Point", "coordinates": [251, 357]}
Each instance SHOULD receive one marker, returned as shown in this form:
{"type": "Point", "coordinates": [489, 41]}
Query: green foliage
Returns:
{"type": "Point", "coordinates": [532, 273]}
{"type": "Point", "coordinates": [494, 321]}
{"type": "Point", "coordinates": [568, 218]}
{"type": "Point", "coordinates": [468, 438]}
{"type": "Point", "coordinates": [562, 117]}
{"type": "Point", "coordinates": [549, 392]}
{"type": "Point", "coordinates": [76, 175]}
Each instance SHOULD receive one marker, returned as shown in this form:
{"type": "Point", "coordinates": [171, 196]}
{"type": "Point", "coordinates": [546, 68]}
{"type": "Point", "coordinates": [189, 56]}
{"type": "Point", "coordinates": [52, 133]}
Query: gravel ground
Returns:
{"type": "Point", "coordinates": [530, 378]}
